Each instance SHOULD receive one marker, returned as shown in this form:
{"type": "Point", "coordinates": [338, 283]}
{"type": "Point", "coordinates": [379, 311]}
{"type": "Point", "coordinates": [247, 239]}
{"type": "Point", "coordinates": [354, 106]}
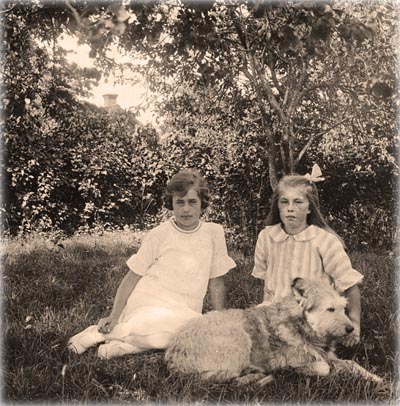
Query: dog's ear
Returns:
{"type": "Point", "coordinates": [301, 290]}
{"type": "Point", "coordinates": [299, 287]}
{"type": "Point", "coordinates": [331, 281]}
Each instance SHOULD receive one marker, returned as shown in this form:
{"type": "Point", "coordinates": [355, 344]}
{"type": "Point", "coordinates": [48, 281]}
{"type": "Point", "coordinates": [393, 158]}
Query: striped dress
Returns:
{"type": "Point", "coordinates": [314, 253]}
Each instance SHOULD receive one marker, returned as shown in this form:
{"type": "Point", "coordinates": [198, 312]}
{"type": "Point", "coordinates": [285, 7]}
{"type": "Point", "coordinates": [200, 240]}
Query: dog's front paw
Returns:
{"type": "Point", "coordinates": [351, 367]}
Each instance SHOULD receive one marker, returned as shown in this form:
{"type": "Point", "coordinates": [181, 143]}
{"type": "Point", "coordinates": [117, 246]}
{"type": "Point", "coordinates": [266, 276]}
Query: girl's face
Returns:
{"type": "Point", "coordinates": [187, 210]}
{"type": "Point", "coordinates": [293, 208]}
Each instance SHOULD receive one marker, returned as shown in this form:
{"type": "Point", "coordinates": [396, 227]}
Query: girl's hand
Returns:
{"type": "Point", "coordinates": [353, 338]}
{"type": "Point", "coordinates": [106, 324]}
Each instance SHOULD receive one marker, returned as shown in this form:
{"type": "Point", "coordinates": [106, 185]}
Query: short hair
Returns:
{"type": "Point", "coordinates": [182, 182]}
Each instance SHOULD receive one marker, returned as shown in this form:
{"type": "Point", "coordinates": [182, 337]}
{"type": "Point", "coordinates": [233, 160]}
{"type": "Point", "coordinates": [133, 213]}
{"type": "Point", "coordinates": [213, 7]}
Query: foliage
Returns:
{"type": "Point", "coordinates": [67, 164]}
{"type": "Point", "coordinates": [50, 293]}
{"type": "Point", "coordinates": [306, 82]}
{"type": "Point", "coordinates": [249, 91]}
{"type": "Point", "coordinates": [86, 170]}
{"type": "Point", "coordinates": [365, 212]}
{"type": "Point", "coordinates": [305, 67]}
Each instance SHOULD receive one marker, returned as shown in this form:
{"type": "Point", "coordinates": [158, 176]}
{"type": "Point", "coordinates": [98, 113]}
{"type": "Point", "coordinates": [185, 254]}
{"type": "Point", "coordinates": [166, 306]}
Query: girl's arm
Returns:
{"type": "Point", "coordinates": [124, 290]}
{"type": "Point", "coordinates": [354, 309]}
{"type": "Point", "coordinates": [216, 287]}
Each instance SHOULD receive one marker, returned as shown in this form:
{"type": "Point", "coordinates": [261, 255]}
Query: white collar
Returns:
{"type": "Point", "coordinates": [278, 234]}
{"type": "Point", "coordinates": [173, 222]}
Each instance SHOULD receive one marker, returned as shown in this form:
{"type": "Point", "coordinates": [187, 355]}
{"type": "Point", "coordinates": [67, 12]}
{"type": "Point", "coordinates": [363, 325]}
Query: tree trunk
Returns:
{"type": "Point", "coordinates": [271, 153]}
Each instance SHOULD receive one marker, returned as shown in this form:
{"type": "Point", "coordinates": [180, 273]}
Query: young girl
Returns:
{"type": "Point", "coordinates": [168, 277]}
{"type": "Point", "coordinates": [297, 242]}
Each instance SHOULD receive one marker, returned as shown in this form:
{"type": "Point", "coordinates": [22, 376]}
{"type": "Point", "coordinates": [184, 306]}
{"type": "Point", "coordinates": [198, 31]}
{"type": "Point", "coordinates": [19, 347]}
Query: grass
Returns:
{"type": "Point", "coordinates": [50, 293]}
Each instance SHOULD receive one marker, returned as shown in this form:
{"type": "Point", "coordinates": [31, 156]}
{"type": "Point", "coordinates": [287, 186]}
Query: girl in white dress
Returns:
{"type": "Point", "coordinates": [167, 278]}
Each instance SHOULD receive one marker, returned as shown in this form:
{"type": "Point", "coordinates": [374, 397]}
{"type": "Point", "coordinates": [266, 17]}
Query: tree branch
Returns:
{"type": "Point", "coordinates": [298, 94]}
{"type": "Point", "coordinates": [8, 10]}
{"type": "Point", "coordinates": [75, 14]}
{"type": "Point", "coordinates": [276, 82]}
{"type": "Point", "coordinates": [257, 69]}
{"type": "Point", "coordinates": [315, 137]}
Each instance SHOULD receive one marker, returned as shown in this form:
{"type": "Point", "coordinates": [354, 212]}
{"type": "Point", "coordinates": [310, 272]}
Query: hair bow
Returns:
{"type": "Point", "coordinates": [316, 174]}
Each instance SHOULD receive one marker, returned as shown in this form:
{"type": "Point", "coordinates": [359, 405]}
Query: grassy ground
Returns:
{"type": "Point", "coordinates": [50, 293]}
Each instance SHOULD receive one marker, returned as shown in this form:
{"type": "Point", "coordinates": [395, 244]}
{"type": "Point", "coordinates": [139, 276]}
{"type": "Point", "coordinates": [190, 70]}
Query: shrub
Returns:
{"type": "Point", "coordinates": [84, 170]}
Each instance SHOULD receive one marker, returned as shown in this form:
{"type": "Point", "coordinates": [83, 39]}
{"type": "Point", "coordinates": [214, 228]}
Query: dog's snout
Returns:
{"type": "Point", "coordinates": [349, 329]}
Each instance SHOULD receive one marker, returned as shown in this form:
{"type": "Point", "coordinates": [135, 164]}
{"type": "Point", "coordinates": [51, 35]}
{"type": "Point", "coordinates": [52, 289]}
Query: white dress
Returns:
{"type": "Point", "coordinates": [175, 266]}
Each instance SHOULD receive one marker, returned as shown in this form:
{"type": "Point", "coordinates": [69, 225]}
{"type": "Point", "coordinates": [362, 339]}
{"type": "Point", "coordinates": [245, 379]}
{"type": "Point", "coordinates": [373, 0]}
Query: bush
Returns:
{"type": "Point", "coordinates": [87, 169]}
{"type": "Point", "coordinates": [83, 169]}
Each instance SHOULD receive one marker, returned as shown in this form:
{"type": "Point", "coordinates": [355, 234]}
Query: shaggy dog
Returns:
{"type": "Point", "coordinates": [299, 332]}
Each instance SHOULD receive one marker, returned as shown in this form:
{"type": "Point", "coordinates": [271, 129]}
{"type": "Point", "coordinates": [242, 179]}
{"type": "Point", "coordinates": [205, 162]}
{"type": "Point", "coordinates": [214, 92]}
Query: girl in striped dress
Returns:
{"type": "Point", "coordinates": [297, 242]}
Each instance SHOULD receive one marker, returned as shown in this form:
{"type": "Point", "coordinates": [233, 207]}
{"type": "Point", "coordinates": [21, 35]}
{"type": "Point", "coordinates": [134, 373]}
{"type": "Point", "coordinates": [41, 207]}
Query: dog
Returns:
{"type": "Point", "coordinates": [298, 332]}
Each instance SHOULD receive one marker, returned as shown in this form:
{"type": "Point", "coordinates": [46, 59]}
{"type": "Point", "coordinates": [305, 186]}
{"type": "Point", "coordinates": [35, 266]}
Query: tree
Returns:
{"type": "Point", "coordinates": [300, 63]}
{"type": "Point", "coordinates": [66, 163]}
{"type": "Point", "coordinates": [299, 81]}
{"type": "Point", "coordinates": [291, 60]}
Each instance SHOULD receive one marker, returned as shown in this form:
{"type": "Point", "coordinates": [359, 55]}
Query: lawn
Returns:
{"type": "Point", "coordinates": [51, 292]}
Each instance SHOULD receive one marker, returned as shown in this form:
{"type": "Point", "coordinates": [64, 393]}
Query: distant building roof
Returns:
{"type": "Point", "coordinates": [111, 105]}
{"type": "Point", "coordinates": [110, 100]}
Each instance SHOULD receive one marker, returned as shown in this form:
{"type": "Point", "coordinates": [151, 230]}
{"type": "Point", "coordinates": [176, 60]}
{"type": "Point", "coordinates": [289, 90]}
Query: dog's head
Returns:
{"type": "Point", "coordinates": [323, 307]}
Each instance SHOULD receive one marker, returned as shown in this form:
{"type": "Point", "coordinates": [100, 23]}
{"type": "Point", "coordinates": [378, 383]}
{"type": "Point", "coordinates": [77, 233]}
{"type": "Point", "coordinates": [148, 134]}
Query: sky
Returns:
{"type": "Point", "coordinates": [128, 95]}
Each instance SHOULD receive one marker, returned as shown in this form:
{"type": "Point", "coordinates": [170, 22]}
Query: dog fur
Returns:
{"type": "Point", "coordinates": [299, 332]}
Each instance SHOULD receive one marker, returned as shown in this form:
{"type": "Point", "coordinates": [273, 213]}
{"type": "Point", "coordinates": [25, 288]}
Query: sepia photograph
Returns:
{"type": "Point", "coordinates": [199, 202]}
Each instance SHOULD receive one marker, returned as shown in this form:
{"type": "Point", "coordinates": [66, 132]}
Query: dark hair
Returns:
{"type": "Point", "coordinates": [314, 217]}
{"type": "Point", "coordinates": [180, 184]}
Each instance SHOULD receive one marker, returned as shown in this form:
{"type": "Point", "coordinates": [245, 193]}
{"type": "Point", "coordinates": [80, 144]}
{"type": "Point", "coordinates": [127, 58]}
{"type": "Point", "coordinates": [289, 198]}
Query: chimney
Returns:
{"type": "Point", "coordinates": [110, 99]}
